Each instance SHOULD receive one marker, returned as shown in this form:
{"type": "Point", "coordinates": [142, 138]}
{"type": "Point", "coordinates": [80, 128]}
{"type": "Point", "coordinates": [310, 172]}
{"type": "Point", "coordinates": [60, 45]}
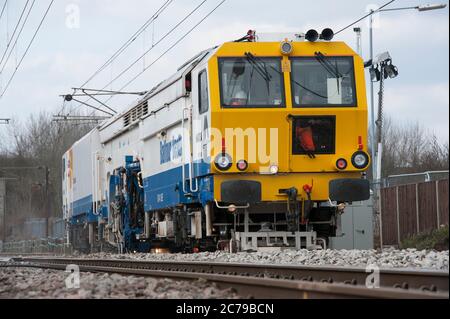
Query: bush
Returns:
{"type": "Point", "coordinates": [437, 240]}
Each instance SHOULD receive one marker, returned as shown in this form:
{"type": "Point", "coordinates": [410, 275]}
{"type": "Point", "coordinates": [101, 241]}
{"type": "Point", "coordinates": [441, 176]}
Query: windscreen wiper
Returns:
{"type": "Point", "coordinates": [260, 65]}
{"type": "Point", "coordinates": [332, 69]}
{"type": "Point", "coordinates": [261, 68]}
{"type": "Point", "coordinates": [293, 81]}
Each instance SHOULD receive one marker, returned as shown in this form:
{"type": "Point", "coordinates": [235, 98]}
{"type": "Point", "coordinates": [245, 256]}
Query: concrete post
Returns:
{"type": "Point", "coordinates": [209, 228]}
{"type": "Point", "coordinates": [437, 206]}
{"type": "Point", "coordinates": [398, 216]}
{"type": "Point", "coordinates": [2, 209]}
{"type": "Point", "coordinates": [91, 236]}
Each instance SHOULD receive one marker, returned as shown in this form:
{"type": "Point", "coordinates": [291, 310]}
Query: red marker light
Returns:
{"type": "Point", "coordinates": [341, 164]}
{"type": "Point", "coordinates": [242, 165]}
{"type": "Point", "coordinates": [360, 143]}
{"type": "Point", "coordinates": [224, 146]}
{"type": "Point", "coordinates": [251, 35]}
{"type": "Point", "coordinates": [188, 85]}
{"type": "Point", "coordinates": [307, 188]}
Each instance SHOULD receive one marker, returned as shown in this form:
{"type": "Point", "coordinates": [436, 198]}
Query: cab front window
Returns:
{"type": "Point", "coordinates": [322, 81]}
{"type": "Point", "coordinates": [251, 82]}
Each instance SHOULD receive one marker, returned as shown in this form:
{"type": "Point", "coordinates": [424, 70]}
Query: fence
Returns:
{"type": "Point", "coordinates": [2, 207]}
{"type": "Point", "coordinates": [30, 237]}
{"type": "Point", "coordinates": [57, 228]}
{"type": "Point", "coordinates": [407, 210]}
{"type": "Point", "coordinates": [39, 246]}
{"type": "Point", "coordinates": [37, 228]}
{"type": "Point", "coordinates": [397, 180]}
{"type": "Point", "coordinates": [34, 228]}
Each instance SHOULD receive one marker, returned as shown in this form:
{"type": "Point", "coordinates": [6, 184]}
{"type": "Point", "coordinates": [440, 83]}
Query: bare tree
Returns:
{"type": "Point", "coordinates": [34, 146]}
{"type": "Point", "coordinates": [409, 148]}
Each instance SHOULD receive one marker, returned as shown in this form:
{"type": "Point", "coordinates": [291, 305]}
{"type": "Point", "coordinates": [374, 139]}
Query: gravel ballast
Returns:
{"type": "Point", "coordinates": [28, 283]}
{"type": "Point", "coordinates": [388, 258]}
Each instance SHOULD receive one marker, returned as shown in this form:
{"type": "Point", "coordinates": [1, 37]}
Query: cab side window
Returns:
{"type": "Point", "coordinates": [203, 96]}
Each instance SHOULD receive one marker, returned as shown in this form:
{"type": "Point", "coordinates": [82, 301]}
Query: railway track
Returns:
{"type": "Point", "coordinates": [268, 281]}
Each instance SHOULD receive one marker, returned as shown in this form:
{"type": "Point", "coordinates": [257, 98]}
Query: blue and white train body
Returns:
{"type": "Point", "coordinates": [123, 182]}
{"type": "Point", "coordinates": [187, 166]}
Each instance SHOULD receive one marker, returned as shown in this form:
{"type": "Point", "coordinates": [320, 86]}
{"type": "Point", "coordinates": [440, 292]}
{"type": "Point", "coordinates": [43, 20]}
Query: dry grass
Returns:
{"type": "Point", "coordinates": [437, 240]}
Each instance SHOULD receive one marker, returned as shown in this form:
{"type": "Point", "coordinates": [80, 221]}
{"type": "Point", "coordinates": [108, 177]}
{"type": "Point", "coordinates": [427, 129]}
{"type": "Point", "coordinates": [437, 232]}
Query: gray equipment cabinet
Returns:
{"type": "Point", "coordinates": [357, 228]}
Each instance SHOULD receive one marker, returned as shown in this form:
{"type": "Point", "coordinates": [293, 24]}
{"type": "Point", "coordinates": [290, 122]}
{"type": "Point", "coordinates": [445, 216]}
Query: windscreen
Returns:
{"type": "Point", "coordinates": [251, 82]}
{"type": "Point", "coordinates": [323, 81]}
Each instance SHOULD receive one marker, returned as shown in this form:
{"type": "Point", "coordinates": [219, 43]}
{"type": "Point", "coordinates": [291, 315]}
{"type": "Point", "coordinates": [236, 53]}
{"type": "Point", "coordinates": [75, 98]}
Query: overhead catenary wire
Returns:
{"type": "Point", "coordinates": [3, 9]}
{"type": "Point", "coordinates": [18, 37]}
{"type": "Point", "coordinates": [158, 42]}
{"type": "Point", "coordinates": [129, 41]}
{"type": "Point", "coordinates": [152, 47]}
{"type": "Point", "coordinates": [27, 49]}
{"type": "Point", "coordinates": [14, 32]}
{"type": "Point", "coordinates": [102, 92]}
{"type": "Point", "coordinates": [172, 47]}
{"type": "Point", "coordinates": [366, 16]}
{"type": "Point", "coordinates": [150, 21]}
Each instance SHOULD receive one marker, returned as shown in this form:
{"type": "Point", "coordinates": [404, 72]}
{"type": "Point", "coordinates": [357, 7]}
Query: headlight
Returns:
{"type": "Point", "coordinates": [286, 48]}
{"type": "Point", "coordinates": [274, 169]}
{"type": "Point", "coordinates": [223, 162]}
{"type": "Point", "coordinates": [360, 160]}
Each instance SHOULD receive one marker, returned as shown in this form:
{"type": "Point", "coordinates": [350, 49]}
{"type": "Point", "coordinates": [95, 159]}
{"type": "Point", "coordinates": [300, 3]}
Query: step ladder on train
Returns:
{"type": "Point", "coordinates": [266, 238]}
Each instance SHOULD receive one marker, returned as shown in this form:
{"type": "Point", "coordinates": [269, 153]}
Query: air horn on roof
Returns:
{"type": "Point", "coordinates": [326, 35]}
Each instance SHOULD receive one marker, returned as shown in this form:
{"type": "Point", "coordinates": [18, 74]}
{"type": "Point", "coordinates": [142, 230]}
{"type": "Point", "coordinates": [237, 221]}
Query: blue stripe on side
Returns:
{"type": "Point", "coordinates": [82, 211]}
{"type": "Point", "coordinates": [162, 189]}
{"type": "Point", "coordinates": [165, 190]}
{"type": "Point", "coordinates": [82, 206]}
{"type": "Point", "coordinates": [206, 190]}
{"type": "Point", "coordinates": [78, 220]}
{"type": "Point", "coordinates": [202, 169]}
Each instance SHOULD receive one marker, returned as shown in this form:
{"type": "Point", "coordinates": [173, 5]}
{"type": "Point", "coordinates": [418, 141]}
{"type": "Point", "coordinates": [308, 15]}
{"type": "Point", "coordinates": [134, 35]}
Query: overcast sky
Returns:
{"type": "Point", "coordinates": [64, 55]}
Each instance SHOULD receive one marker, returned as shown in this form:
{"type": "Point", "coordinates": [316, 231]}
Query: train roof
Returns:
{"type": "Point", "coordinates": [182, 70]}
{"type": "Point", "coordinates": [226, 49]}
{"type": "Point", "coordinates": [260, 38]}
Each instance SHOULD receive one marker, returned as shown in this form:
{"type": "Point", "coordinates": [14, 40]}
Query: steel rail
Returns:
{"type": "Point", "coordinates": [394, 283]}
{"type": "Point", "coordinates": [264, 288]}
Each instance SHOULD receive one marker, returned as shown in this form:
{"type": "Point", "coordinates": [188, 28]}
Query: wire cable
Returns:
{"type": "Point", "coordinates": [28, 49]}
{"type": "Point", "coordinates": [159, 41]}
{"type": "Point", "coordinates": [151, 20]}
{"type": "Point", "coordinates": [14, 33]}
{"type": "Point", "coordinates": [367, 15]}
{"type": "Point", "coordinates": [17, 39]}
{"type": "Point", "coordinates": [151, 48]}
{"type": "Point", "coordinates": [171, 47]}
{"type": "Point", "coordinates": [379, 121]}
{"type": "Point", "coordinates": [129, 41]}
{"type": "Point", "coordinates": [3, 9]}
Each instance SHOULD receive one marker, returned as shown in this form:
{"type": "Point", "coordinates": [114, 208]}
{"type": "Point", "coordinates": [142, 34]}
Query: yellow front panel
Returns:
{"type": "Point", "coordinates": [295, 170]}
{"type": "Point", "coordinates": [272, 184]}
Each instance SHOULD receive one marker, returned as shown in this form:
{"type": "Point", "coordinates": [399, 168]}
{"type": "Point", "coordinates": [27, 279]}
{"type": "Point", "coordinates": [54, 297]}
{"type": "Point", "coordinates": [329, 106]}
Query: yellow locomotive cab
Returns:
{"type": "Point", "coordinates": [261, 144]}
{"type": "Point", "coordinates": [297, 115]}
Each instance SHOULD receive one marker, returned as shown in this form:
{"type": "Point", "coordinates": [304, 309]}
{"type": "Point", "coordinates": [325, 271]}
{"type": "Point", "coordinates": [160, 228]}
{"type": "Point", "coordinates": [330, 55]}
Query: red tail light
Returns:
{"type": "Point", "coordinates": [341, 164]}
{"type": "Point", "coordinates": [242, 165]}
